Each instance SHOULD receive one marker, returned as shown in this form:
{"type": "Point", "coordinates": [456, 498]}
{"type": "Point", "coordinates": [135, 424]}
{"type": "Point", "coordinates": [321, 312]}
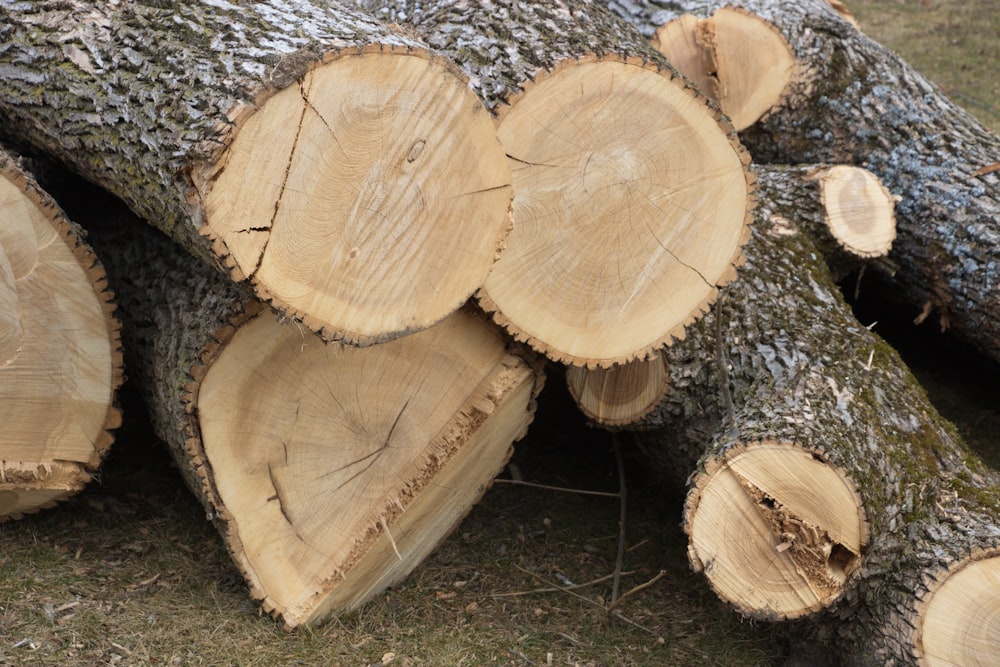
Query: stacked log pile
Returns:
{"type": "Point", "coordinates": [374, 218]}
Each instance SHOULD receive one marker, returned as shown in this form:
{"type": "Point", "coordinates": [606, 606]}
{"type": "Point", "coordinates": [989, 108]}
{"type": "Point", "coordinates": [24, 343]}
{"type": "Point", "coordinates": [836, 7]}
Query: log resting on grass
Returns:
{"type": "Point", "coordinates": [631, 191]}
{"type": "Point", "coordinates": [823, 484]}
{"type": "Point", "coordinates": [856, 102]}
{"type": "Point", "coordinates": [848, 215]}
{"type": "Point", "coordinates": [352, 178]}
{"type": "Point", "coordinates": [331, 471]}
{"type": "Point", "coordinates": [60, 354]}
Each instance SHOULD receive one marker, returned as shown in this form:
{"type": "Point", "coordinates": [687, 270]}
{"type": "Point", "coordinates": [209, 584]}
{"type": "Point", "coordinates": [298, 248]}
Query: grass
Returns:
{"type": "Point", "coordinates": [954, 44]}
{"type": "Point", "coordinates": [129, 572]}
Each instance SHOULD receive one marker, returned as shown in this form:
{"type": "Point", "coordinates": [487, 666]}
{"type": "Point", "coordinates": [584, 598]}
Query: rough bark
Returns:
{"type": "Point", "coordinates": [782, 377]}
{"type": "Point", "coordinates": [859, 103]}
{"type": "Point", "coordinates": [330, 471]}
{"type": "Point", "coordinates": [60, 352]}
{"type": "Point", "coordinates": [352, 178]}
{"type": "Point", "coordinates": [622, 232]}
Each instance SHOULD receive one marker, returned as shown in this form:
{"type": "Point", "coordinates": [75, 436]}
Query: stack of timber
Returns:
{"type": "Point", "coordinates": [631, 192]}
{"type": "Point", "coordinates": [851, 100]}
{"type": "Point", "coordinates": [331, 471]}
{"type": "Point", "coordinates": [352, 178]}
{"type": "Point", "coordinates": [60, 356]}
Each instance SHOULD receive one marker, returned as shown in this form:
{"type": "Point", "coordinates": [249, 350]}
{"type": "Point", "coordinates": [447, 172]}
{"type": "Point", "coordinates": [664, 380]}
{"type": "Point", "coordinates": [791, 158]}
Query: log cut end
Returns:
{"type": "Point", "coordinates": [336, 470]}
{"type": "Point", "coordinates": [369, 200]}
{"type": "Point", "coordinates": [60, 352]}
{"type": "Point", "coordinates": [621, 395]}
{"type": "Point", "coordinates": [859, 210]}
{"type": "Point", "coordinates": [735, 58]}
{"type": "Point", "coordinates": [631, 206]}
{"type": "Point", "coordinates": [777, 531]}
{"type": "Point", "coordinates": [958, 620]}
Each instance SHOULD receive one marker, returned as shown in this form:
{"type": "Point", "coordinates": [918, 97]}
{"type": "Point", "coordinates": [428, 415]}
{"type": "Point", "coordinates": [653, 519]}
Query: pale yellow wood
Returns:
{"type": "Point", "coordinates": [369, 200]}
{"type": "Point", "coordinates": [57, 395]}
{"type": "Point", "coordinates": [751, 63]}
{"type": "Point", "coordinates": [859, 209]}
{"type": "Point", "coordinates": [11, 331]}
{"type": "Point", "coordinates": [684, 46]}
{"type": "Point", "coordinates": [630, 209]}
{"type": "Point", "coordinates": [320, 453]}
{"type": "Point", "coordinates": [619, 395]}
{"type": "Point", "coordinates": [960, 620]}
{"type": "Point", "coordinates": [775, 530]}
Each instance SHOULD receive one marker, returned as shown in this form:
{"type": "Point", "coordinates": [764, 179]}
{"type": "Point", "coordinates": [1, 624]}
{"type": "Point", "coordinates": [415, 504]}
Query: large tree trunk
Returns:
{"type": "Point", "coordinates": [352, 178]}
{"type": "Point", "coordinates": [823, 483]}
{"type": "Point", "coordinates": [60, 355]}
{"type": "Point", "coordinates": [331, 471]}
{"type": "Point", "coordinates": [852, 100]}
{"type": "Point", "coordinates": [631, 192]}
{"type": "Point", "coordinates": [848, 215]}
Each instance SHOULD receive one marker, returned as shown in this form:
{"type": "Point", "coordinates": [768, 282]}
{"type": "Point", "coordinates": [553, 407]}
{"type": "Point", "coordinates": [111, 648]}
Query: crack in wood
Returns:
{"type": "Point", "coordinates": [371, 457]}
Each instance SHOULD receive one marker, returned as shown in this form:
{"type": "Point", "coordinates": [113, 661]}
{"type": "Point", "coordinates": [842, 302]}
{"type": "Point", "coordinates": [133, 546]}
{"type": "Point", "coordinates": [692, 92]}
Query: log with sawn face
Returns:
{"type": "Point", "coordinates": [349, 176]}
{"type": "Point", "coordinates": [331, 471]}
{"type": "Point", "coordinates": [60, 357]}
{"type": "Point", "coordinates": [630, 191]}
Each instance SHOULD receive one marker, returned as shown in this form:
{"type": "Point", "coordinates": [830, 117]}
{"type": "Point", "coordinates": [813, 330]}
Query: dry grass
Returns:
{"type": "Point", "coordinates": [130, 573]}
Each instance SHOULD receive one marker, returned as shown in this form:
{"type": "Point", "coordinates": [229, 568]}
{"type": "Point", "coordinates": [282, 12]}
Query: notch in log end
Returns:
{"type": "Point", "coordinates": [777, 531]}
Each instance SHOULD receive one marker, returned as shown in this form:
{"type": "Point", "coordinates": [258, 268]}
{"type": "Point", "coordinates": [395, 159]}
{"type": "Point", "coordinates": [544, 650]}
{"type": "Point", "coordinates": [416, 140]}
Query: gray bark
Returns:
{"type": "Point", "coordinates": [864, 105]}
{"type": "Point", "coordinates": [501, 45]}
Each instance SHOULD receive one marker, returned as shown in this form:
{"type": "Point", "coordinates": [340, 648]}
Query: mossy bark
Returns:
{"type": "Point", "coordinates": [782, 358]}
{"type": "Point", "coordinates": [859, 103]}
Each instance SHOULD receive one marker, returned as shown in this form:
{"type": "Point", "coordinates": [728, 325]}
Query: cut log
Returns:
{"type": "Point", "coordinates": [331, 471]}
{"type": "Point", "coordinates": [621, 395]}
{"type": "Point", "coordinates": [631, 192]}
{"type": "Point", "coordinates": [857, 102]}
{"type": "Point", "coordinates": [353, 179]}
{"type": "Point", "coordinates": [848, 215]}
{"type": "Point", "coordinates": [824, 485]}
{"type": "Point", "coordinates": [60, 352]}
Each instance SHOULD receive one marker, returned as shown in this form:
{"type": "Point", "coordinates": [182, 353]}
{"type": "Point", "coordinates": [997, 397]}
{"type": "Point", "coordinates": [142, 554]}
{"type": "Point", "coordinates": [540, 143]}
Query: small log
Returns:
{"type": "Point", "coordinates": [847, 213]}
{"type": "Point", "coordinates": [631, 192]}
{"type": "Point", "coordinates": [331, 471]}
{"type": "Point", "coordinates": [854, 101]}
{"type": "Point", "coordinates": [350, 177]}
{"type": "Point", "coordinates": [60, 352]}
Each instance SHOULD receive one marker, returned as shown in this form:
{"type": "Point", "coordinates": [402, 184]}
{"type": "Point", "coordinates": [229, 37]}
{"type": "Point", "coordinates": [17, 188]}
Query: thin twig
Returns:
{"type": "Point", "coordinates": [556, 589]}
{"type": "Point", "coordinates": [606, 494]}
{"type": "Point", "coordinates": [723, 366]}
{"type": "Point", "coordinates": [636, 589]}
{"type": "Point", "coordinates": [622, 496]}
